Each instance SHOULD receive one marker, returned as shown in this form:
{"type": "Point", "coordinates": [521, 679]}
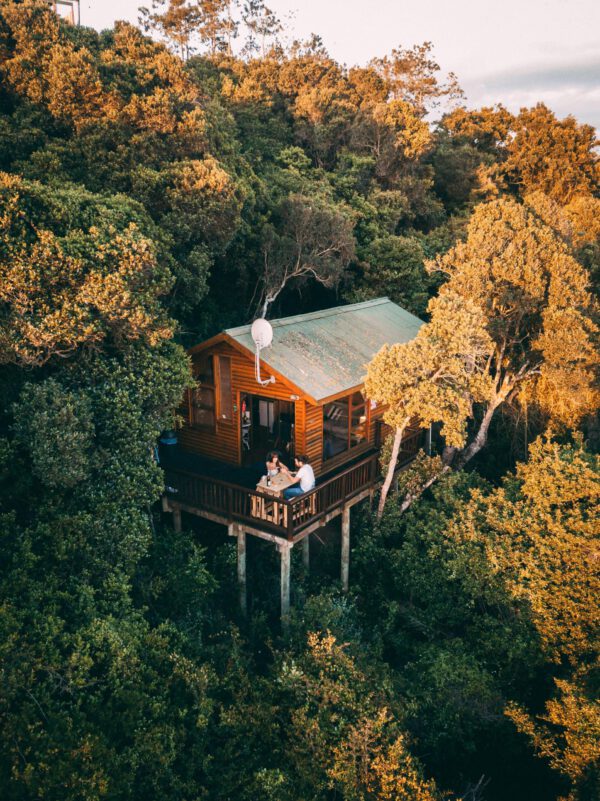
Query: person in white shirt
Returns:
{"type": "Point", "coordinates": [304, 477]}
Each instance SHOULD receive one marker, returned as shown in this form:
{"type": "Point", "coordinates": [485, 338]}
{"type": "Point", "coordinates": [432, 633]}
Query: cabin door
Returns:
{"type": "Point", "coordinates": [266, 424]}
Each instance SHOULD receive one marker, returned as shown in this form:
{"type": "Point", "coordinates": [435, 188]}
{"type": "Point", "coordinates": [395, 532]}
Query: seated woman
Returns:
{"type": "Point", "coordinates": [304, 478]}
{"type": "Point", "coordinates": [274, 464]}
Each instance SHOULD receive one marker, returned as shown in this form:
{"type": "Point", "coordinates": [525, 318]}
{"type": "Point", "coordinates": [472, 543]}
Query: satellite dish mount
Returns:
{"type": "Point", "coordinates": [262, 334]}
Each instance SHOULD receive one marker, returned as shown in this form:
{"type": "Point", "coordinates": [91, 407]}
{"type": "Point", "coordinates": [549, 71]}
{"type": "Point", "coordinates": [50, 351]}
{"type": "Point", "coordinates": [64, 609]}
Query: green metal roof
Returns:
{"type": "Point", "coordinates": [327, 352]}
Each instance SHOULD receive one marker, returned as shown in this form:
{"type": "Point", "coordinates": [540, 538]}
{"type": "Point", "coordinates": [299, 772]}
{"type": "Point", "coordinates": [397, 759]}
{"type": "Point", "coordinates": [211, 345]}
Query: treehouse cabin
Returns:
{"type": "Point", "coordinates": [313, 403]}
{"type": "Point", "coordinates": [301, 395]}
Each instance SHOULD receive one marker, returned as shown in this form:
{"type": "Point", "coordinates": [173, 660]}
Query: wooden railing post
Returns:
{"type": "Point", "coordinates": [229, 503]}
{"type": "Point", "coordinates": [378, 433]}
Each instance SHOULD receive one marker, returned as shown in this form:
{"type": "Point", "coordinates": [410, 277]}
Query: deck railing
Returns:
{"type": "Point", "coordinates": [237, 504]}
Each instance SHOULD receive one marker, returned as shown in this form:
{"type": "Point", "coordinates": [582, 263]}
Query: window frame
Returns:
{"type": "Point", "coordinates": [351, 407]}
{"type": "Point", "coordinates": [207, 427]}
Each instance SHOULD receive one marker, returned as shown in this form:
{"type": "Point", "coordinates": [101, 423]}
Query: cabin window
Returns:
{"type": "Point", "coordinates": [345, 425]}
{"type": "Point", "coordinates": [358, 420]}
{"type": "Point", "coordinates": [202, 397]}
{"type": "Point", "coordinates": [225, 394]}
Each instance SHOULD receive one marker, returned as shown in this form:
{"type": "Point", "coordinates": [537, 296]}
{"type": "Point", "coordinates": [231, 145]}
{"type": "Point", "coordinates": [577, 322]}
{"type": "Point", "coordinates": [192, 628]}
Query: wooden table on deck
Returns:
{"type": "Point", "coordinates": [267, 508]}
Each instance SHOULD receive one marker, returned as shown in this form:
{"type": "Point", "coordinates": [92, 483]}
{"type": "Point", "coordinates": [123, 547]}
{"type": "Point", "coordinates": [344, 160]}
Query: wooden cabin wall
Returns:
{"type": "Point", "coordinates": [309, 433]}
{"type": "Point", "coordinates": [313, 447]}
{"type": "Point", "coordinates": [224, 443]}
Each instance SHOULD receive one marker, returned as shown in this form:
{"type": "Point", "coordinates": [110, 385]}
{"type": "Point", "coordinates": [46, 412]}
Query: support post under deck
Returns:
{"type": "Point", "coordinates": [285, 551]}
{"type": "Point", "coordinates": [345, 562]}
{"type": "Point", "coordinates": [176, 519]}
{"type": "Point", "coordinates": [241, 568]}
{"type": "Point", "coordinates": [306, 552]}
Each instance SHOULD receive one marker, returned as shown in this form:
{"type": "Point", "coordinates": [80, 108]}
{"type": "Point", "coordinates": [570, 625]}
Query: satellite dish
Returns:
{"type": "Point", "coordinates": [262, 333]}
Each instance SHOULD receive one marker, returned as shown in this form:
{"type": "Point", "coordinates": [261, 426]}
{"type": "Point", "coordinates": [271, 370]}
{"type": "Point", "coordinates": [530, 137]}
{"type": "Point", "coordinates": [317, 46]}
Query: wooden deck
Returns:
{"type": "Point", "coordinates": [230, 503]}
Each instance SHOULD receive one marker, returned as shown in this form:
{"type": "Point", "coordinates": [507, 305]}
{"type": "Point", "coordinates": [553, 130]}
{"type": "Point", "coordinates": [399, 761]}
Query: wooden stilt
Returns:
{"type": "Point", "coordinates": [306, 552]}
{"type": "Point", "coordinates": [345, 565]}
{"type": "Point", "coordinates": [285, 553]}
{"type": "Point", "coordinates": [241, 569]}
{"type": "Point", "coordinates": [176, 519]}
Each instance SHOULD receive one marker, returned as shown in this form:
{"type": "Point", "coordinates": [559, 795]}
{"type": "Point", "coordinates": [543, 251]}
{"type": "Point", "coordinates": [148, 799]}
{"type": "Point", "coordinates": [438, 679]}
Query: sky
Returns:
{"type": "Point", "coordinates": [518, 52]}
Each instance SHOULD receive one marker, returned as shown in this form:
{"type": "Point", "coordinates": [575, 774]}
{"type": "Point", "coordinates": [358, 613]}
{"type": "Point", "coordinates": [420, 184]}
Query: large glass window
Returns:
{"type": "Point", "coordinates": [345, 425]}
{"type": "Point", "coordinates": [202, 397]}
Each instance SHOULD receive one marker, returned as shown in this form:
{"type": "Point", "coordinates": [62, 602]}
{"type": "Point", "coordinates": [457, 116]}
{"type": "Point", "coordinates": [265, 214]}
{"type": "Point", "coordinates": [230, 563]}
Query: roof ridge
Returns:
{"type": "Point", "coordinates": [332, 311]}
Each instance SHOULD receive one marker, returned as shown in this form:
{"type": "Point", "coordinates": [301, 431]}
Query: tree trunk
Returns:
{"type": "Point", "coordinates": [390, 470]}
{"type": "Point", "coordinates": [411, 497]}
{"type": "Point", "coordinates": [480, 440]}
{"type": "Point", "coordinates": [453, 459]}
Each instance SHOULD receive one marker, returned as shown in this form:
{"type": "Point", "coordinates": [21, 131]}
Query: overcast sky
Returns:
{"type": "Point", "coordinates": [517, 52]}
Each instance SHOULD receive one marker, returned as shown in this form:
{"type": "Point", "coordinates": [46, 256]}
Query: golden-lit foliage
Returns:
{"type": "Point", "coordinates": [79, 87]}
{"type": "Point", "coordinates": [203, 193]}
{"type": "Point", "coordinates": [557, 157]}
{"type": "Point", "coordinates": [540, 535]}
{"type": "Point", "coordinates": [64, 293]}
{"type": "Point", "coordinates": [549, 532]}
{"type": "Point", "coordinates": [568, 734]}
{"type": "Point", "coordinates": [391, 131]}
{"type": "Point", "coordinates": [437, 376]}
{"type": "Point", "coordinates": [367, 766]}
{"type": "Point", "coordinates": [513, 323]}
{"type": "Point", "coordinates": [411, 74]}
{"type": "Point", "coordinates": [327, 102]}
{"type": "Point", "coordinates": [487, 127]}
{"type": "Point", "coordinates": [584, 213]}
{"type": "Point", "coordinates": [537, 305]}
{"type": "Point", "coordinates": [343, 731]}
{"type": "Point", "coordinates": [136, 182]}
{"type": "Point", "coordinates": [534, 151]}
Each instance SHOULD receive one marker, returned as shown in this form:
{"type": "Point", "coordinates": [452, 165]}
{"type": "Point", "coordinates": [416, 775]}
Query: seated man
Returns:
{"type": "Point", "coordinates": [304, 477]}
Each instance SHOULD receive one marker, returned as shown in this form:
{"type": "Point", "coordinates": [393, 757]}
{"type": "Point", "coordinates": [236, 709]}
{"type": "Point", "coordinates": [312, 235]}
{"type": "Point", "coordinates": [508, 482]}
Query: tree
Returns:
{"type": "Point", "coordinates": [411, 75]}
{"type": "Point", "coordinates": [104, 285]}
{"type": "Point", "coordinates": [532, 151]}
{"type": "Point", "coordinates": [311, 240]}
{"type": "Point", "coordinates": [438, 376]}
{"type": "Point", "coordinates": [177, 23]}
{"type": "Point", "coordinates": [393, 134]}
{"type": "Point", "coordinates": [557, 157]}
{"type": "Point", "coordinates": [532, 299]}
{"type": "Point", "coordinates": [183, 20]}
{"type": "Point", "coordinates": [539, 531]}
{"type": "Point", "coordinates": [89, 378]}
{"type": "Point", "coordinates": [393, 266]}
{"type": "Point", "coordinates": [262, 25]}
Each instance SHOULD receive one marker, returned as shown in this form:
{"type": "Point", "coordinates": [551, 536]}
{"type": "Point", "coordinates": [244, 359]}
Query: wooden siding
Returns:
{"type": "Point", "coordinates": [300, 426]}
{"type": "Point", "coordinates": [313, 444]}
{"type": "Point", "coordinates": [224, 442]}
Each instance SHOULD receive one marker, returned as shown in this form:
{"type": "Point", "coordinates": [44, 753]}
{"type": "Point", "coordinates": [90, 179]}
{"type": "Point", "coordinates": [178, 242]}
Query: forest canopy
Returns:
{"type": "Point", "coordinates": [160, 183]}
